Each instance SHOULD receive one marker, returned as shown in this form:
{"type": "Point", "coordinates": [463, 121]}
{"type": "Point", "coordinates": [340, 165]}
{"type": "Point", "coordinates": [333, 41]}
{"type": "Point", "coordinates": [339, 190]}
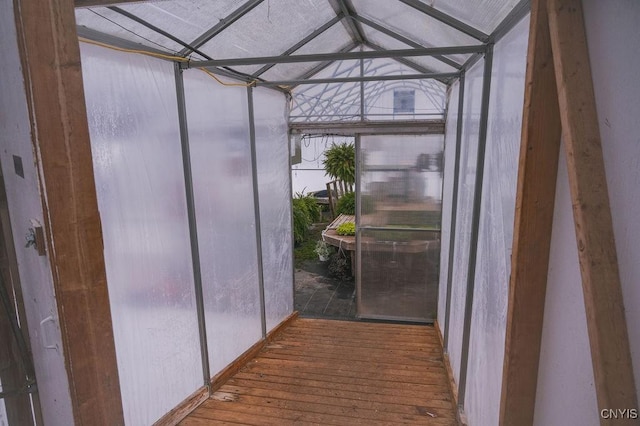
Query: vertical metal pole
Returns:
{"type": "Point", "coordinates": [293, 242]}
{"type": "Point", "coordinates": [358, 230]}
{"type": "Point", "coordinates": [475, 222]}
{"type": "Point", "coordinates": [454, 209]}
{"type": "Point", "coordinates": [193, 228]}
{"type": "Point", "coordinates": [256, 209]}
{"type": "Point", "coordinates": [361, 88]}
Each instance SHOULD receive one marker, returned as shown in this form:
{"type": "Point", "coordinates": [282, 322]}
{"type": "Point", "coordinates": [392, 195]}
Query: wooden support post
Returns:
{"type": "Point", "coordinates": [537, 175]}
{"type": "Point", "coordinates": [606, 322]}
{"type": "Point", "coordinates": [53, 80]}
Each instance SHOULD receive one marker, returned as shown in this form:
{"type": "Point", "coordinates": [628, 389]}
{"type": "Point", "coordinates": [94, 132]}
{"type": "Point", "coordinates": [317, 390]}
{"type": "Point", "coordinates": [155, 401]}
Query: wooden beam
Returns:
{"type": "Point", "coordinates": [606, 322]}
{"type": "Point", "coordinates": [53, 80]}
{"type": "Point", "coordinates": [535, 196]}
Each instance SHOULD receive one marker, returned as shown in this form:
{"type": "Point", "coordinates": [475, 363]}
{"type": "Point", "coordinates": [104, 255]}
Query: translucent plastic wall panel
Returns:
{"type": "Point", "coordinates": [332, 40]}
{"type": "Point", "coordinates": [218, 121]}
{"type": "Point", "coordinates": [411, 23]}
{"type": "Point", "coordinates": [268, 30]}
{"type": "Point", "coordinates": [133, 121]}
{"type": "Point", "coordinates": [398, 224]}
{"type": "Point", "coordinates": [428, 96]}
{"type": "Point", "coordinates": [184, 19]}
{"type": "Point", "coordinates": [488, 323]}
{"type": "Point", "coordinates": [272, 149]}
{"type": "Point", "coordinates": [390, 43]}
{"type": "Point", "coordinates": [334, 101]}
{"type": "Point", "coordinates": [466, 187]}
{"type": "Point", "coordinates": [484, 15]}
{"type": "Point", "coordinates": [331, 101]}
{"type": "Point", "coordinates": [112, 23]}
{"type": "Point", "coordinates": [447, 199]}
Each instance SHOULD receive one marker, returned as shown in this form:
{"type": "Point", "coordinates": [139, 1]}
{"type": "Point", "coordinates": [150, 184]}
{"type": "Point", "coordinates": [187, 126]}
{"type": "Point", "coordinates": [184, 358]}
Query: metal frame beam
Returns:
{"type": "Point", "coordinates": [447, 19]}
{"type": "Point", "coordinates": [452, 50]}
{"type": "Point", "coordinates": [302, 42]}
{"type": "Point", "coordinates": [222, 25]}
{"type": "Point", "coordinates": [405, 61]}
{"type": "Point", "coordinates": [345, 8]}
{"type": "Point", "coordinates": [454, 213]}
{"type": "Point", "coordinates": [373, 127]}
{"type": "Point", "coordinates": [193, 226]}
{"type": "Point", "coordinates": [511, 20]}
{"type": "Point", "coordinates": [97, 36]}
{"type": "Point", "coordinates": [404, 39]}
{"type": "Point", "coordinates": [157, 30]}
{"type": "Point", "coordinates": [518, 12]}
{"type": "Point", "coordinates": [358, 79]}
{"type": "Point", "coordinates": [100, 37]}
{"type": "Point", "coordinates": [315, 70]}
{"type": "Point", "coordinates": [475, 224]}
{"type": "Point", "coordinates": [256, 209]}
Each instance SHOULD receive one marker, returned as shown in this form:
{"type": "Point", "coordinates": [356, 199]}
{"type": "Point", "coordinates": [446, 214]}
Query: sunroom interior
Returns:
{"type": "Point", "coordinates": [146, 154]}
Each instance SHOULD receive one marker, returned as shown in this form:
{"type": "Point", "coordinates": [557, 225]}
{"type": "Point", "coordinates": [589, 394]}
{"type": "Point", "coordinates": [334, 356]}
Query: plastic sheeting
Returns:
{"type": "Point", "coordinates": [447, 200]}
{"type": "Point", "coordinates": [269, 29]}
{"type": "Point", "coordinates": [185, 19]}
{"type": "Point", "coordinates": [466, 186]}
{"type": "Point", "coordinates": [334, 39]}
{"type": "Point", "coordinates": [429, 95]}
{"type": "Point", "coordinates": [413, 24]}
{"type": "Point", "coordinates": [388, 42]}
{"type": "Point", "coordinates": [484, 15]}
{"type": "Point", "coordinates": [133, 122]}
{"type": "Point", "coordinates": [218, 121]}
{"type": "Point", "coordinates": [488, 321]}
{"type": "Point", "coordinates": [272, 158]}
{"type": "Point", "coordinates": [398, 226]}
{"type": "Point", "coordinates": [341, 101]}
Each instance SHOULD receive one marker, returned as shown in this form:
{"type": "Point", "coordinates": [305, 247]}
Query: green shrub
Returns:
{"type": "Point", "coordinates": [340, 162]}
{"type": "Point", "coordinates": [347, 228]}
{"type": "Point", "coordinates": [314, 209]}
{"type": "Point", "coordinates": [347, 204]}
{"type": "Point", "coordinates": [306, 211]}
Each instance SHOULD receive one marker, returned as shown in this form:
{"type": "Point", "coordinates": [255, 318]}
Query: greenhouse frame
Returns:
{"type": "Point", "coordinates": [146, 150]}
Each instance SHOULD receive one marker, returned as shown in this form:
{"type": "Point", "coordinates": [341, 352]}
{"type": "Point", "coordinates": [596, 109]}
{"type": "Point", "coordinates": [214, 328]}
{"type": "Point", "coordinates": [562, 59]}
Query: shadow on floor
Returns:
{"type": "Point", "coordinates": [318, 295]}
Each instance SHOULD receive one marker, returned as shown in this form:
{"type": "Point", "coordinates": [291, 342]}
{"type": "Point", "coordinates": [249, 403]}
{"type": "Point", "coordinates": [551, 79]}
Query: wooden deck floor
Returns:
{"type": "Point", "coordinates": [335, 372]}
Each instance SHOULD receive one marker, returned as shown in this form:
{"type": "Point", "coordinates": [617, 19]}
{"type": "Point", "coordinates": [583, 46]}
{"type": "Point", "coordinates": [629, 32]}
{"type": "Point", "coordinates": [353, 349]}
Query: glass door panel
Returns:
{"type": "Point", "coordinates": [398, 226]}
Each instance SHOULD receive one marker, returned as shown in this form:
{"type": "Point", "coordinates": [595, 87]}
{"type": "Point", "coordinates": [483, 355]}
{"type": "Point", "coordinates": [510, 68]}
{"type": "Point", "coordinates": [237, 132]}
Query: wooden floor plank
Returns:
{"type": "Point", "coordinates": [332, 372]}
{"type": "Point", "coordinates": [364, 338]}
{"type": "Point", "coordinates": [365, 386]}
{"type": "Point", "coordinates": [426, 377]}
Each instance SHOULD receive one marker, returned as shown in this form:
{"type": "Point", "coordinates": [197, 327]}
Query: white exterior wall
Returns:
{"type": "Point", "coordinates": [566, 392]}
{"type": "Point", "coordinates": [23, 196]}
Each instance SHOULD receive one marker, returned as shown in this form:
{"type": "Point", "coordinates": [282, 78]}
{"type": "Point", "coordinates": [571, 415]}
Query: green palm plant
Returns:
{"type": "Point", "coordinates": [340, 162]}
